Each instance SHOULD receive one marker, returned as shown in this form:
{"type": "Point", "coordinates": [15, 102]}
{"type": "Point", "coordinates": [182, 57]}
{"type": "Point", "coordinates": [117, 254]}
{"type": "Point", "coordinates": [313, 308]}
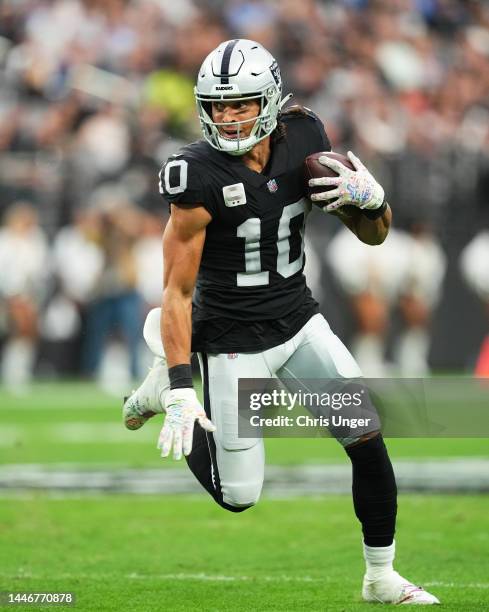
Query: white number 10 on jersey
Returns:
{"type": "Point", "coordinates": [250, 230]}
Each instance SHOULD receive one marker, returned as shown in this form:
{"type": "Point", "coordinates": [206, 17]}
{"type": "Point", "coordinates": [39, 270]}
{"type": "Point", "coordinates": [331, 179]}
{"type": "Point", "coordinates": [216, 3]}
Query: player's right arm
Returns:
{"type": "Point", "coordinates": [183, 242]}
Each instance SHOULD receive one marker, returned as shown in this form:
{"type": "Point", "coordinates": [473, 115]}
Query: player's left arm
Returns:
{"type": "Point", "coordinates": [358, 199]}
{"type": "Point", "coordinates": [368, 230]}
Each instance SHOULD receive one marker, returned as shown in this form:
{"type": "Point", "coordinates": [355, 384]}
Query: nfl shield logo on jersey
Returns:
{"type": "Point", "coordinates": [272, 186]}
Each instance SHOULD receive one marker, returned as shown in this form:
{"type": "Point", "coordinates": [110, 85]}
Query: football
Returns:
{"type": "Point", "coordinates": [314, 169]}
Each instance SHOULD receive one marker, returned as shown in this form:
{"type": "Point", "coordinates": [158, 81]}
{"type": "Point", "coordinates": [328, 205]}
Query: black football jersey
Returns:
{"type": "Point", "coordinates": [251, 293]}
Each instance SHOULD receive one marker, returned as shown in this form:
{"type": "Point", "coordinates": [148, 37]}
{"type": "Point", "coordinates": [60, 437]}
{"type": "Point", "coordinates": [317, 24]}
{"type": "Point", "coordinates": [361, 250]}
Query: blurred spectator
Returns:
{"type": "Point", "coordinates": [115, 305]}
{"type": "Point", "coordinates": [24, 266]}
{"type": "Point", "coordinates": [371, 277]}
{"type": "Point", "coordinates": [149, 260]}
{"type": "Point", "coordinates": [78, 258]}
{"type": "Point", "coordinates": [474, 263]}
{"type": "Point", "coordinates": [406, 270]}
{"type": "Point", "coordinates": [102, 144]}
{"type": "Point", "coordinates": [77, 262]}
{"type": "Point", "coordinates": [420, 293]}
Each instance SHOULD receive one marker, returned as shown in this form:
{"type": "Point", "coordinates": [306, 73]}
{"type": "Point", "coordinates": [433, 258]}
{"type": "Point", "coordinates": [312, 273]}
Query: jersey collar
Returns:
{"type": "Point", "coordinates": [277, 165]}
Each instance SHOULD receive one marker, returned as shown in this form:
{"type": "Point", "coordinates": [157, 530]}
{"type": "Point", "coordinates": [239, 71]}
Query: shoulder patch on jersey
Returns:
{"type": "Point", "coordinates": [234, 195]}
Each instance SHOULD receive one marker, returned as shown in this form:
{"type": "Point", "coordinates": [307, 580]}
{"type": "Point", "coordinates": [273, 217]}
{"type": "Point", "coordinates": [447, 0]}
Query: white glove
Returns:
{"type": "Point", "coordinates": [182, 409]}
{"type": "Point", "coordinates": [357, 187]}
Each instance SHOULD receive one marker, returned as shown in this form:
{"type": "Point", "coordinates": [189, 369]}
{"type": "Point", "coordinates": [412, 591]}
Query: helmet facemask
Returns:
{"type": "Point", "coordinates": [265, 121]}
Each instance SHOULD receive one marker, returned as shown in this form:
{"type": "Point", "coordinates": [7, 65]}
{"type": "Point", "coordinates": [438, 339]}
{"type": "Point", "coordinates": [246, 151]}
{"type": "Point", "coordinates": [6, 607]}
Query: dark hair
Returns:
{"type": "Point", "coordinates": [280, 131]}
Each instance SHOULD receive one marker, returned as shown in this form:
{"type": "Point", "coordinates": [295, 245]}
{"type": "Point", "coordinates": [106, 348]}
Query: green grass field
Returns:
{"type": "Point", "coordinates": [184, 553]}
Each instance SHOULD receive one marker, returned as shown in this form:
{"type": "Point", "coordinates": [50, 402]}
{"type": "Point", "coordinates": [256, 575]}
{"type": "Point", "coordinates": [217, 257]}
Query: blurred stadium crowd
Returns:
{"type": "Point", "coordinates": [95, 94]}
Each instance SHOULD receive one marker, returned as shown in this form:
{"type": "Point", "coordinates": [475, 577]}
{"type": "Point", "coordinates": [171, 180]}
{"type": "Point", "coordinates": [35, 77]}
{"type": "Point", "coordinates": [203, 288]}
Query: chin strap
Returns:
{"type": "Point", "coordinates": [240, 152]}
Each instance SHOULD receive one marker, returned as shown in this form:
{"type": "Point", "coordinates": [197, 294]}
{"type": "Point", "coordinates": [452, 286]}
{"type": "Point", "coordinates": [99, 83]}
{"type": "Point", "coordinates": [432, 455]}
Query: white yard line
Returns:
{"type": "Point", "coordinates": [457, 585]}
{"type": "Point", "coordinates": [222, 578]}
{"type": "Point", "coordinates": [181, 576]}
{"type": "Point", "coordinates": [203, 577]}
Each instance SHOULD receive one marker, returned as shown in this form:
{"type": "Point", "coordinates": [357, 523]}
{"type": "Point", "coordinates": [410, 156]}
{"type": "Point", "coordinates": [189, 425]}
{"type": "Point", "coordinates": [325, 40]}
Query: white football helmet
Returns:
{"type": "Point", "coordinates": [239, 70]}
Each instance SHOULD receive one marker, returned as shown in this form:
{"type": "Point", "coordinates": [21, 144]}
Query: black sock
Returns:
{"type": "Point", "coordinates": [374, 491]}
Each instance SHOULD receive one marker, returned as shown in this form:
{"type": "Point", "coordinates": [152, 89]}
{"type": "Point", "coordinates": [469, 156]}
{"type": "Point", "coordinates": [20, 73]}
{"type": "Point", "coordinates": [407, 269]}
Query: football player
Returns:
{"type": "Point", "coordinates": [235, 293]}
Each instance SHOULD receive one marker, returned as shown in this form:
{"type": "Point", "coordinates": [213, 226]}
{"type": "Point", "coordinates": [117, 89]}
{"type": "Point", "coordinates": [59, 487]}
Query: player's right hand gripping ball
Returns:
{"type": "Point", "coordinates": [182, 410]}
{"type": "Point", "coordinates": [337, 180]}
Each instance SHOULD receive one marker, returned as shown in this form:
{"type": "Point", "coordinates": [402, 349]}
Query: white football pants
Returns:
{"type": "Point", "coordinates": [237, 464]}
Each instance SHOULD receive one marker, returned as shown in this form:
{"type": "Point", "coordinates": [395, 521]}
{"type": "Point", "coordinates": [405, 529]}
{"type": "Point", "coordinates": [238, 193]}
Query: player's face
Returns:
{"type": "Point", "coordinates": [228, 111]}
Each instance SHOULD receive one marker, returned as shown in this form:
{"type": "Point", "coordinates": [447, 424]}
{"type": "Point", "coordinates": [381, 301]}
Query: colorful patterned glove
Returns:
{"type": "Point", "coordinates": [182, 410]}
{"type": "Point", "coordinates": [357, 187]}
